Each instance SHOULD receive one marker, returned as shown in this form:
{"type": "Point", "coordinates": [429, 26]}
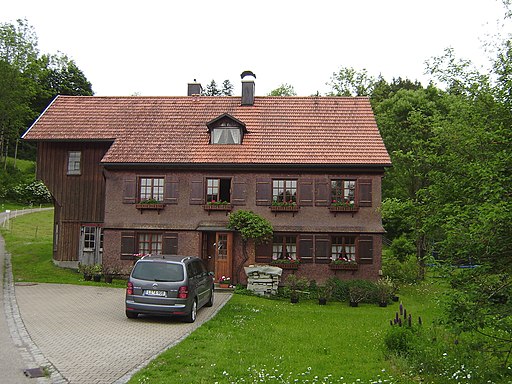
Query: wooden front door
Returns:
{"type": "Point", "coordinates": [223, 255]}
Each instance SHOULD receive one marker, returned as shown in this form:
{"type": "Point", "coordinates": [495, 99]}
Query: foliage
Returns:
{"type": "Point", "coordinates": [32, 193]}
{"type": "Point", "coordinates": [385, 288]}
{"type": "Point", "coordinates": [481, 303]}
{"type": "Point", "coordinates": [403, 272]}
{"type": "Point", "coordinates": [349, 82]}
{"type": "Point", "coordinates": [286, 260]}
{"type": "Point", "coordinates": [283, 90]}
{"type": "Point", "coordinates": [361, 291]}
{"type": "Point", "coordinates": [28, 82]}
{"type": "Point", "coordinates": [225, 280]}
{"type": "Point", "coordinates": [250, 225]}
{"type": "Point", "coordinates": [213, 90]}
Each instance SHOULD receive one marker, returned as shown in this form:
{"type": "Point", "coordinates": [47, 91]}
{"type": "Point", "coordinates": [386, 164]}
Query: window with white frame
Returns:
{"type": "Point", "coordinates": [74, 162]}
{"type": "Point", "coordinates": [151, 188]}
{"type": "Point", "coordinates": [284, 191]}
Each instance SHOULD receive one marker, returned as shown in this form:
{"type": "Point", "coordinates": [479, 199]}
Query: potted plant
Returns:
{"type": "Point", "coordinates": [295, 285]}
{"type": "Point", "coordinates": [357, 292]}
{"type": "Point", "coordinates": [86, 270]}
{"type": "Point", "coordinates": [96, 271]}
{"type": "Point", "coordinates": [149, 204]}
{"type": "Point", "coordinates": [109, 271]}
{"type": "Point", "coordinates": [284, 206]}
{"type": "Point", "coordinates": [224, 282]}
{"type": "Point", "coordinates": [324, 293]}
{"type": "Point", "coordinates": [385, 289]}
{"type": "Point", "coordinates": [218, 206]}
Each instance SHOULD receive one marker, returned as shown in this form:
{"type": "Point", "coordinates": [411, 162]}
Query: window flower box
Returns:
{"type": "Point", "coordinates": [343, 209]}
{"type": "Point", "coordinates": [347, 266]}
{"type": "Point", "coordinates": [149, 206]}
{"type": "Point", "coordinates": [284, 207]}
{"type": "Point", "coordinates": [219, 206]}
{"type": "Point", "coordinates": [286, 263]}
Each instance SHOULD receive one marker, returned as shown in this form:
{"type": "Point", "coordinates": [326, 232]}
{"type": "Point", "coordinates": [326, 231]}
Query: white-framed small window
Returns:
{"type": "Point", "coordinates": [74, 162]}
{"type": "Point", "coordinates": [89, 238]}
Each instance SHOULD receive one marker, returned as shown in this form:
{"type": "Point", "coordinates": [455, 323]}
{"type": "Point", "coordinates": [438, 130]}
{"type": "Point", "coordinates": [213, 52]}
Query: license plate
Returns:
{"type": "Point", "coordinates": [149, 292]}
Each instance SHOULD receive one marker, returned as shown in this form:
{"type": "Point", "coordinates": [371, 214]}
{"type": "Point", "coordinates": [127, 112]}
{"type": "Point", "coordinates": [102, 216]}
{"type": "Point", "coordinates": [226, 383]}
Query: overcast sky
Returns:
{"type": "Point", "coordinates": [156, 47]}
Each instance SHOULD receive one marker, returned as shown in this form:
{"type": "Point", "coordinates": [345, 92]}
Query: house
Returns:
{"type": "Point", "coordinates": [140, 175]}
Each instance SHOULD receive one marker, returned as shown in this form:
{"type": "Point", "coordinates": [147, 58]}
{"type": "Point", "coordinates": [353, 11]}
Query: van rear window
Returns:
{"type": "Point", "coordinates": [158, 271]}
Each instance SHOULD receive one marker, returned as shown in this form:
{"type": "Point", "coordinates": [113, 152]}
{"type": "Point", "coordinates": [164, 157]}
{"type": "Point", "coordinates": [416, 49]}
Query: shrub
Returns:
{"type": "Point", "coordinates": [338, 288]}
{"type": "Point", "coordinates": [405, 272]}
{"type": "Point", "coordinates": [362, 291]}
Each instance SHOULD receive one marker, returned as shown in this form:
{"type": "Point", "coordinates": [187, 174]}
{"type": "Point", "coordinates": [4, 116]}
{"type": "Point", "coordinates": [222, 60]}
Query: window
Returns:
{"type": "Point", "coordinates": [151, 188]}
{"type": "Point", "coordinates": [343, 247]}
{"type": "Point", "coordinates": [150, 243]}
{"type": "Point", "coordinates": [343, 191]}
{"type": "Point", "coordinates": [284, 191]}
{"type": "Point", "coordinates": [89, 238]}
{"type": "Point", "coordinates": [284, 247]}
{"type": "Point", "coordinates": [74, 161]}
{"type": "Point", "coordinates": [226, 135]}
{"type": "Point", "coordinates": [218, 190]}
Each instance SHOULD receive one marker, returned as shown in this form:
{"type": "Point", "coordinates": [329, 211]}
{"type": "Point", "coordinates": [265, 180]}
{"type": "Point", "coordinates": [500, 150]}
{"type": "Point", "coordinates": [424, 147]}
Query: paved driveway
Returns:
{"type": "Point", "coordinates": [83, 332]}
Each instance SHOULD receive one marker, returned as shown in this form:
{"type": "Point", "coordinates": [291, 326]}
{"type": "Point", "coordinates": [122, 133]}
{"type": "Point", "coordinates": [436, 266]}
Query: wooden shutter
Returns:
{"type": "Point", "coordinates": [364, 188]}
{"type": "Point", "coordinates": [170, 243]}
{"type": "Point", "coordinates": [263, 252]}
{"type": "Point", "coordinates": [365, 249]}
{"type": "Point", "coordinates": [171, 190]}
{"type": "Point", "coordinates": [322, 249]}
{"type": "Point", "coordinates": [127, 245]}
{"type": "Point", "coordinates": [263, 191]}
{"type": "Point", "coordinates": [239, 191]}
{"type": "Point", "coordinates": [197, 191]}
{"type": "Point", "coordinates": [306, 248]}
{"type": "Point", "coordinates": [322, 192]}
{"type": "Point", "coordinates": [129, 190]}
{"type": "Point", "coordinates": [305, 192]}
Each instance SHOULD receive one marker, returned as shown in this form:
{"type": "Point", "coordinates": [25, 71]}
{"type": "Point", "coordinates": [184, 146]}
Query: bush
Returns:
{"type": "Point", "coordinates": [32, 193]}
{"type": "Point", "coordinates": [405, 272]}
{"type": "Point", "coordinates": [338, 288]}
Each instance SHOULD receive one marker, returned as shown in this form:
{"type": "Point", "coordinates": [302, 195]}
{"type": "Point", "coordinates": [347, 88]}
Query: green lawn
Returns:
{"type": "Point", "coordinates": [28, 239]}
{"type": "Point", "coordinates": [259, 340]}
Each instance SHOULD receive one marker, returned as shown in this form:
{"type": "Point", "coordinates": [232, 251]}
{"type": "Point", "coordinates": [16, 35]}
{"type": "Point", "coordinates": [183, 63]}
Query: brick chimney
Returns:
{"type": "Point", "coordinates": [194, 88]}
{"type": "Point", "coordinates": [248, 87]}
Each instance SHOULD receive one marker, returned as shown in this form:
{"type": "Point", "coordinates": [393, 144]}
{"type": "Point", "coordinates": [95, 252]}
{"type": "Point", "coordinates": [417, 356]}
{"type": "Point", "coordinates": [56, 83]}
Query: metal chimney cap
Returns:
{"type": "Point", "coordinates": [247, 73]}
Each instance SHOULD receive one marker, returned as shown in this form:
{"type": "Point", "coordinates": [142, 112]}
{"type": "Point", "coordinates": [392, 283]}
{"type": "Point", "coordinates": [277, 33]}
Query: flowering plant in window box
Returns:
{"type": "Point", "coordinates": [284, 206]}
{"type": "Point", "coordinates": [286, 263]}
{"type": "Point", "coordinates": [220, 202]}
{"type": "Point", "coordinates": [141, 255]}
{"type": "Point", "coordinates": [224, 281]}
{"type": "Point", "coordinates": [218, 206]}
{"type": "Point", "coordinates": [343, 263]}
{"type": "Point", "coordinates": [149, 204]}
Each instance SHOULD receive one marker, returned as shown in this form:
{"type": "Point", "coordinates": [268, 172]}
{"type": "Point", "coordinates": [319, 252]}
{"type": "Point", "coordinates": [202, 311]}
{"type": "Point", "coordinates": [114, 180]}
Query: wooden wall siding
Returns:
{"type": "Point", "coordinates": [68, 242]}
{"type": "Point", "coordinates": [81, 197]}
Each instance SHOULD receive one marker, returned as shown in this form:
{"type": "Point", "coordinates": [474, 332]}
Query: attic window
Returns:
{"type": "Point", "coordinates": [226, 129]}
{"type": "Point", "coordinates": [227, 135]}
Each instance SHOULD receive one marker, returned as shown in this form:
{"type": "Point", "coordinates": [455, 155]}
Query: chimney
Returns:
{"type": "Point", "coordinates": [194, 88]}
{"type": "Point", "coordinates": [248, 87]}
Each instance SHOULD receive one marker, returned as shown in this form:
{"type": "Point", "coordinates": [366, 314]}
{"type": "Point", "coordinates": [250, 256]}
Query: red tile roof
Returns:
{"type": "Point", "coordinates": [281, 130]}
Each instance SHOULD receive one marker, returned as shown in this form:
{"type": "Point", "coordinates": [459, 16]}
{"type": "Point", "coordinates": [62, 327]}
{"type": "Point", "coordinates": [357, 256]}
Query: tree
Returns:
{"type": "Point", "coordinates": [349, 82]}
{"type": "Point", "coordinates": [213, 90]}
{"type": "Point", "coordinates": [251, 227]}
{"type": "Point", "coordinates": [283, 90]}
{"type": "Point", "coordinates": [227, 88]}
{"type": "Point", "coordinates": [18, 44]}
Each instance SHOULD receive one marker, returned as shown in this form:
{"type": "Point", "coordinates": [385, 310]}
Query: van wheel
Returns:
{"type": "Point", "coordinates": [191, 317]}
{"type": "Point", "coordinates": [131, 315]}
{"type": "Point", "coordinates": [209, 303]}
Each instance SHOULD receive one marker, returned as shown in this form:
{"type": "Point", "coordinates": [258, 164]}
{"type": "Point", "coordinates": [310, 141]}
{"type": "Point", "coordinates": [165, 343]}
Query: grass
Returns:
{"type": "Point", "coordinates": [259, 340]}
{"type": "Point", "coordinates": [29, 240]}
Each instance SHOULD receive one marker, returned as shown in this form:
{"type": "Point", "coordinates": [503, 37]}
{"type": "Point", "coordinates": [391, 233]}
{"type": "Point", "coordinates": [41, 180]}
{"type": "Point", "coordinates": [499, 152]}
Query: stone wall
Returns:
{"type": "Point", "coordinates": [263, 280]}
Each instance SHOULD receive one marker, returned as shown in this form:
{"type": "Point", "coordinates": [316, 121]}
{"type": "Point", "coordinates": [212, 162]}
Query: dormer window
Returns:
{"type": "Point", "coordinates": [226, 135]}
{"type": "Point", "coordinates": [225, 129]}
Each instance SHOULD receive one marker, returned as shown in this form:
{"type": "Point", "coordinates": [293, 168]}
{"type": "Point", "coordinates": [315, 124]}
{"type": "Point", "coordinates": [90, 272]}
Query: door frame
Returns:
{"type": "Point", "coordinates": [210, 243]}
